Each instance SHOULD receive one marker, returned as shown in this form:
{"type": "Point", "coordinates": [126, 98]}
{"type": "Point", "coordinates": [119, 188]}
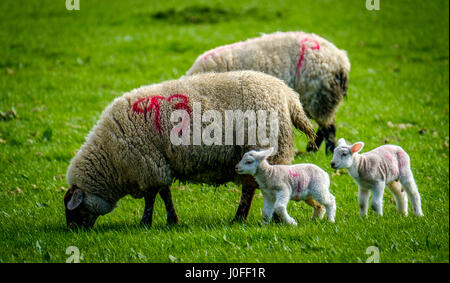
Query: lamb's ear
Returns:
{"type": "Point", "coordinates": [356, 147]}
{"type": "Point", "coordinates": [264, 154]}
{"type": "Point", "coordinates": [341, 142]}
{"type": "Point", "coordinates": [76, 200]}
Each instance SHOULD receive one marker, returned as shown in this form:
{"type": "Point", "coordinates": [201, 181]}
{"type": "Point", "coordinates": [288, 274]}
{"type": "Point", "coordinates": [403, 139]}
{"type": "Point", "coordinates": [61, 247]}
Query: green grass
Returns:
{"type": "Point", "coordinates": [59, 69]}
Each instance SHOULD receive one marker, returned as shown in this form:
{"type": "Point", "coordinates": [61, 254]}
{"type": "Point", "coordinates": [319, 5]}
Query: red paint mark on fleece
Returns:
{"type": "Point", "coordinates": [296, 176]}
{"type": "Point", "coordinates": [150, 103]}
{"type": "Point", "coordinates": [302, 52]}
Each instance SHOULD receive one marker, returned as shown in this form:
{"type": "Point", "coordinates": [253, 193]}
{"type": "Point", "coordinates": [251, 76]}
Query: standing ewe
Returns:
{"type": "Point", "coordinates": [311, 65]}
{"type": "Point", "coordinates": [130, 149]}
{"type": "Point", "coordinates": [281, 183]}
{"type": "Point", "coordinates": [373, 170]}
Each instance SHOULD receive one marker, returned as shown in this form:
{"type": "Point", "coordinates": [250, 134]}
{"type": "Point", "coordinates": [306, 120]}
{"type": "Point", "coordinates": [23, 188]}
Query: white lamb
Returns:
{"type": "Point", "coordinates": [373, 170]}
{"type": "Point", "coordinates": [281, 183]}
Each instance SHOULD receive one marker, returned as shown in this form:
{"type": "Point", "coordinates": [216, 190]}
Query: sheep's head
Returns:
{"type": "Point", "coordinates": [343, 154]}
{"type": "Point", "coordinates": [251, 160]}
{"type": "Point", "coordinates": [82, 209]}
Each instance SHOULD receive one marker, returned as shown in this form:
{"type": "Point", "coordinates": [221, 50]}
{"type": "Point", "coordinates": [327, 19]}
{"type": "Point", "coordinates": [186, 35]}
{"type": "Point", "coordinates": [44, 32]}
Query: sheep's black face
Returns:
{"type": "Point", "coordinates": [77, 213]}
{"type": "Point", "coordinates": [340, 83]}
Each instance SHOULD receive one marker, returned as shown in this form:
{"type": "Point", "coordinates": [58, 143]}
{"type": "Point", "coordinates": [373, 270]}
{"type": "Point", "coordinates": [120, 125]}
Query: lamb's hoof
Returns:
{"type": "Point", "coordinates": [292, 222]}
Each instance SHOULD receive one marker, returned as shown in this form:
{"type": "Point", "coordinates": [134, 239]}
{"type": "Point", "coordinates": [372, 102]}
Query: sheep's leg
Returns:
{"type": "Point", "coordinates": [401, 199]}
{"type": "Point", "coordinates": [166, 195]}
{"type": "Point", "coordinates": [413, 193]}
{"type": "Point", "coordinates": [314, 146]}
{"type": "Point", "coordinates": [249, 186]}
{"type": "Point", "coordinates": [281, 202]}
{"type": "Point", "coordinates": [329, 133]}
{"type": "Point", "coordinates": [377, 198]}
{"type": "Point", "coordinates": [363, 200]}
{"type": "Point", "coordinates": [318, 209]}
{"type": "Point", "coordinates": [149, 199]}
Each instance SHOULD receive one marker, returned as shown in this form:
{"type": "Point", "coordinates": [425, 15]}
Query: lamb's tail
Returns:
{"type": "Point", "coordinates": [301, 121]}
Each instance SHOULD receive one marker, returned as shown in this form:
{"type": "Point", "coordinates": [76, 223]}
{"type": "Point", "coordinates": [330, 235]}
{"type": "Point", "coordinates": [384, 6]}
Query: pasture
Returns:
{"type": "Point", "coordinates": [59, 69]}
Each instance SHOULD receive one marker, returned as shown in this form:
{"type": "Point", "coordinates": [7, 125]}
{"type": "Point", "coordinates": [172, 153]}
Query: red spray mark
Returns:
{"type": "Point", "coordinates": [296, 176]}
{"type": "Point", "coordinates": [181, 105]}
{"type": "Point", "coordinates": [302, 52]}
{"type": "Point", "coordinates": [147, 104]}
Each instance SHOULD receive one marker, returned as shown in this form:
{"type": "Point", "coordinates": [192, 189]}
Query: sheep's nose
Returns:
{"type": "Point", "coordinates": [236, 167]}
{"type": "Point", "coordinates": [333, 165]}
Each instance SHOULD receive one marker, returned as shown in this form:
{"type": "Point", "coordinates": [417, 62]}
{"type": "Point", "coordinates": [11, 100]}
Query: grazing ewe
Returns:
{"type": "Point", "coordinates": [281, 183]}
{"type": "Point", "coordinates": [373, 170]}
{"type": "Point", "coordinates": [131, 149]}
{"type": "Point", "coordinates": [311, 65]}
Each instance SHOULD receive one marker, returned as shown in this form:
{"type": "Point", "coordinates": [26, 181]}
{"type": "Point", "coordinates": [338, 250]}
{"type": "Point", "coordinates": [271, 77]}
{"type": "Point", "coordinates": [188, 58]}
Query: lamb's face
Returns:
{"type": "Point", "coordinates": [83, 209]}
{"type": "Point", "coordinates": [343, 154]}
{"type": "Point", "coordinates": [342, 157]}
{"type": "Point", "coordinates": [247, 165]}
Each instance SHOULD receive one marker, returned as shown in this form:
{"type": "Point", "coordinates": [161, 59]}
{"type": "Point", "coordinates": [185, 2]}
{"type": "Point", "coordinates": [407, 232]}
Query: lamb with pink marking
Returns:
{"type": "Point", "coordinates": [372, 171]}
{"type": "Point", "coordinates": [281, 183]}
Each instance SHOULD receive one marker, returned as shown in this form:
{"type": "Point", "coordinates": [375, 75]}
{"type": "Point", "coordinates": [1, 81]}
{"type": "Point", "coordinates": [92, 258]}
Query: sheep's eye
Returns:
{"type": "Point", "coordinates": [344, 154]}
{"type": "Point", "coordinates": [248, 162]}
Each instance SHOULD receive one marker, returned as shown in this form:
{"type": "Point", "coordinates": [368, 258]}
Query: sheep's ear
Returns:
{"type": "Point", "coordinates": [265, 153]}
{"type": "Point", "coordinates": [341, 142]}
{"type": "Point", "coordinates": [76, 200]}
{"type": "Point", "coordinates": [356, 147]}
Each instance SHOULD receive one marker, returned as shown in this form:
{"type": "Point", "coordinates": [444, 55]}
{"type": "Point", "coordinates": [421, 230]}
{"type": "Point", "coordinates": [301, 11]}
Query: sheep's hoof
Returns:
{"type": "Point", "coordinates": [238, 219]}
{"type": "Point", "coordinates": [146, 221]}
{"type": "Point", "coordinates": [172, 219]}
{"type": "Point", "coordinates": [146, 224]}
{"type": "Point", "coordinates": [312, 147]}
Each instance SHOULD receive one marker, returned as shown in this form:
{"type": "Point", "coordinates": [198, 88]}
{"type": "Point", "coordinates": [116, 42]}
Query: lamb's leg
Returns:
{"type": "Point", "coordinates": [267, 211]}
{"type": "Point", "coordinates": [363, 200]}
{"type": "Point", "coordinates": [329, 201]}
{"type": "Point", "coordinates": [149, 199]}
{"type": "Point", "coordinates": [249, 186]}
{"type": "Point", "coordinates": [377, 198]}
{"type": "Point", "coordinates": [413, 193]}
{"type": "Point", "coordinates": [281, 202]}
{"type": "Point", "coordinates": [166, 195]}
{"type": "Point", "coordinates": [318, 210]}
{"type": "Point", "coordinates": [401, 199]}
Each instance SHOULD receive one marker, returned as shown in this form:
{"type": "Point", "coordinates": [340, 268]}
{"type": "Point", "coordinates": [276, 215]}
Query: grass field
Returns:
{"type": "Point", "coordinates": [59, 69]}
